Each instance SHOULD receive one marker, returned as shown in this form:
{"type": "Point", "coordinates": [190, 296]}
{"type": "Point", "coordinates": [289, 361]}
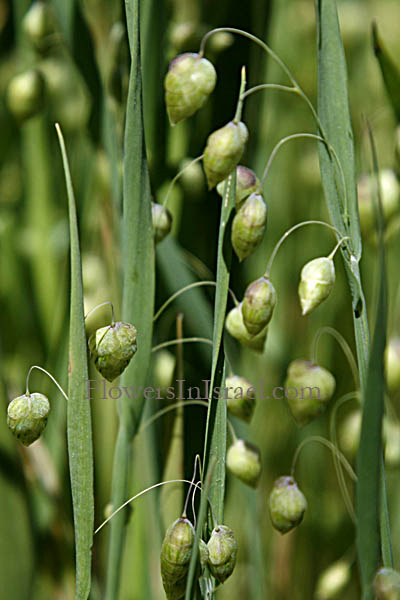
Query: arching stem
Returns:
{"type": "Point", "coordinates": [286, 235]}
{"type": "Point", "coordinates": [48, 375]}
{"type": "Point", "coordinates": [177, 176]}
{"type": "Point", "coordinates": [344, 346]}
{"type": "Point", "coordinates": [98, 306]}
{"type": "Point", "coordinates": [180, 341]}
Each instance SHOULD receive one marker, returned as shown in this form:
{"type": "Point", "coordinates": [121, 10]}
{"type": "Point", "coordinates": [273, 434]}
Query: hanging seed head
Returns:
{"type": "Point", "coordinates": [188, 83]}
{"type": "Point", "coordinates": [112, 348]}
{"type": "Point", "coordinates": [287, 504]}
{"type": "Point", "coordinates": [162, 221]}
{"type": "Point", "coordinates": [235, 326]}
{"type": "Point", "coordinates": [240, 402]}
{"type": "Point", "coordinates": [243, 460]}
{"type": "Point", "coordinates": [27, 417]}
{"type": "Point", "coordinates": [222, 549]}
{"type": "Point", "coordinates": [223, 151]}
{"type": "Point", "coordinates": [387, 584]}
{"type": "Point", "coordinates": [203, 553]}
{"type": "Point", "coordinates": [247, 182]}
{"type": "Point", "coordinates": [316, 283]}
{"type": "Point", "coordinates": [26, 94]}
{"type": "Point", "coordinates": [308, 389]}
{"type": "Point", "coordinates": [333, 581]}
{"type": "Point", "coordinates": [248, 226]}
{"type": "Point", "coordinates": [258, 304]}
{"type": "Point", "coordinates": [176, 551]}
{"type": "Point", "coordinates": [38, 24]}
{"type": "Point", "coordinates": [392, 365]}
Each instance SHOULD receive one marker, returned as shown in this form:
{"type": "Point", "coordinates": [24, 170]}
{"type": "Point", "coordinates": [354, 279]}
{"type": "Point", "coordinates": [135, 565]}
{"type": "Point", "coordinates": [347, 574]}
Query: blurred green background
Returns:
{"type": "Point", "coordinates": [84, 67]}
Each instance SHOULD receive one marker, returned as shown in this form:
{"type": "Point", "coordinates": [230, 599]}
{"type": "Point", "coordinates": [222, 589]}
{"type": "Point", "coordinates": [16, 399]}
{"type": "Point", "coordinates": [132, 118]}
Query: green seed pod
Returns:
{"type": "Point", "coordinates": [203, 553]}
{"type": "Point", "coordinates": [316, 283]}
{"type": "Point", "coordinates": [243, 460]}
{"type": "Point", "coordinates": [162, 221]}
{"type": "Point", "coordinates": [188, 83]}
{"type": "Point", "coordinates": [223, 151]}
{"type": "Point", "coordinates": [248, 226]}
{"type": "Point", "coordinates": [27, 416]}
{"type": "Point", "coordinates": [112, 348]}
{"type": "Point", "coordinates": [26, 94]}
{"type": "Point", "coordinates": [258, 304]}
{"type": "Point", "coordinates": [222, 548]}
{"type": "Point", "coordinates": [239, 402]}
{"type": "Point", "coordinates": [38, 24]}
{"type": "Point", "coordinates": [333, 581]}
{"type": "Point", "coordinates": [176, 551]}
{"type": "Point", "coordinates": [247, 183]}
{"type": "Point", "coordinates": [235, 326]}
{"type": "Point", "coordinates": [313, 387]}
{"type": "Point", "coordinates": [387, 584]}
{"type": "Point", "coordinates": [392, 365]}
{"type": "Point", "coordinates": [287, 504]}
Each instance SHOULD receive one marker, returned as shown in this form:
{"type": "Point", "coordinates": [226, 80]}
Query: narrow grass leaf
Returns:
{"type": "Point", "coordinates": [371, 500]}
{"type": "Point", "coordinates": [79, 427]}
{"type": "Point", "coordinates": [138, 292]}
{"type": "Point", "coordinates": [215, 436]}
{"type": "Point", "coordinates": [334, 115]}
{"type": "Point", "coordinates": [390, 72]}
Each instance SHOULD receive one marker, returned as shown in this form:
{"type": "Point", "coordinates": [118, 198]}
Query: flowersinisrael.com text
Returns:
{"type": "Point", "coordinates": [98, 388]}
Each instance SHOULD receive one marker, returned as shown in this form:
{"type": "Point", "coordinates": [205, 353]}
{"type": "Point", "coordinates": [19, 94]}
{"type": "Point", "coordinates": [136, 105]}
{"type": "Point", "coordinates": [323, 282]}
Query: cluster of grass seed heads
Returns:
{"type": "Point", "coordinates": [247, 182]}
{"type": "Point", "coordinates": [222, 551]}
{"type": "Point", "coordinates": [112, 348]}
{"type": "Point", "coordinates": [258, 305]}
{"type": "Point", "coordinates": [235, 326]}
{"type": "Point", "coordinates": [219, 554]}
{"type": "Point", "coordinates": [287, 504]}
{"type": "Point", "coordinates": [386, 584]}
{"type": "Point", "coordinates": [27, 416]}
{"type": "Point", "coordinates": [161, 221]}
{"type": "Point", "coordinates": [313, 387]}
{"type": "Point", "coordinates": [240, 401]}
{"type": "Point", "coordinates": [249, 225]}
{"type": "Point", "coordinates": [26, 94]}
{"type": "Point", "coordinates": [316, 283]}
{"type": "Point", "coordinates": [244, 461]}
{"type": "Point", "coordinates": [176, 552]}
{"type": "Point", "coordinates": [223, 151]}
{"type": "Point", "coordinates": [188, 83]}
{"type": "Point", "coordinates": [392, 365]}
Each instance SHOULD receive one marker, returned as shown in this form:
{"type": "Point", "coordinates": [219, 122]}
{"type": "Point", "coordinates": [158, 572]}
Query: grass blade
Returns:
{"type": "Point", "coordinates": [390, 72]}
{"type": "Point", "coordinates": [215, 437]}
{"type": "Point", "coordinates": [138, 292]}
{"type": "Point", "coordinates": [79, 426]}
{"type": "Point", "coordinates": [371, 502]}
{"type": "Point", "coordinates": [334, 114]}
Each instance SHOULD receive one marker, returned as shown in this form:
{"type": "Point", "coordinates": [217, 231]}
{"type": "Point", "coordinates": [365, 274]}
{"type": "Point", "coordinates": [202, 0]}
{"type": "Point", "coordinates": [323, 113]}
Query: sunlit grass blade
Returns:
{"type": "Point", "coordinates": [334, 115]}
{"type": "Point", "coordinates": [79, 426]}
{"type": "Point", "coordinates": [215, 436]}
{"type": "Point", "coordinates": [390, 72]}
{"type": "Point", "coordinates": [138, 293]}
{"type": "Point", "coordinates": [371, 500]}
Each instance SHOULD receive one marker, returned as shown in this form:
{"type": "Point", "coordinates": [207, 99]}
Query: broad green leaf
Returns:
{"type": "Point", "coordinates": [390, 72]}
{"type": "Point", "coordinates": [79, 427]}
